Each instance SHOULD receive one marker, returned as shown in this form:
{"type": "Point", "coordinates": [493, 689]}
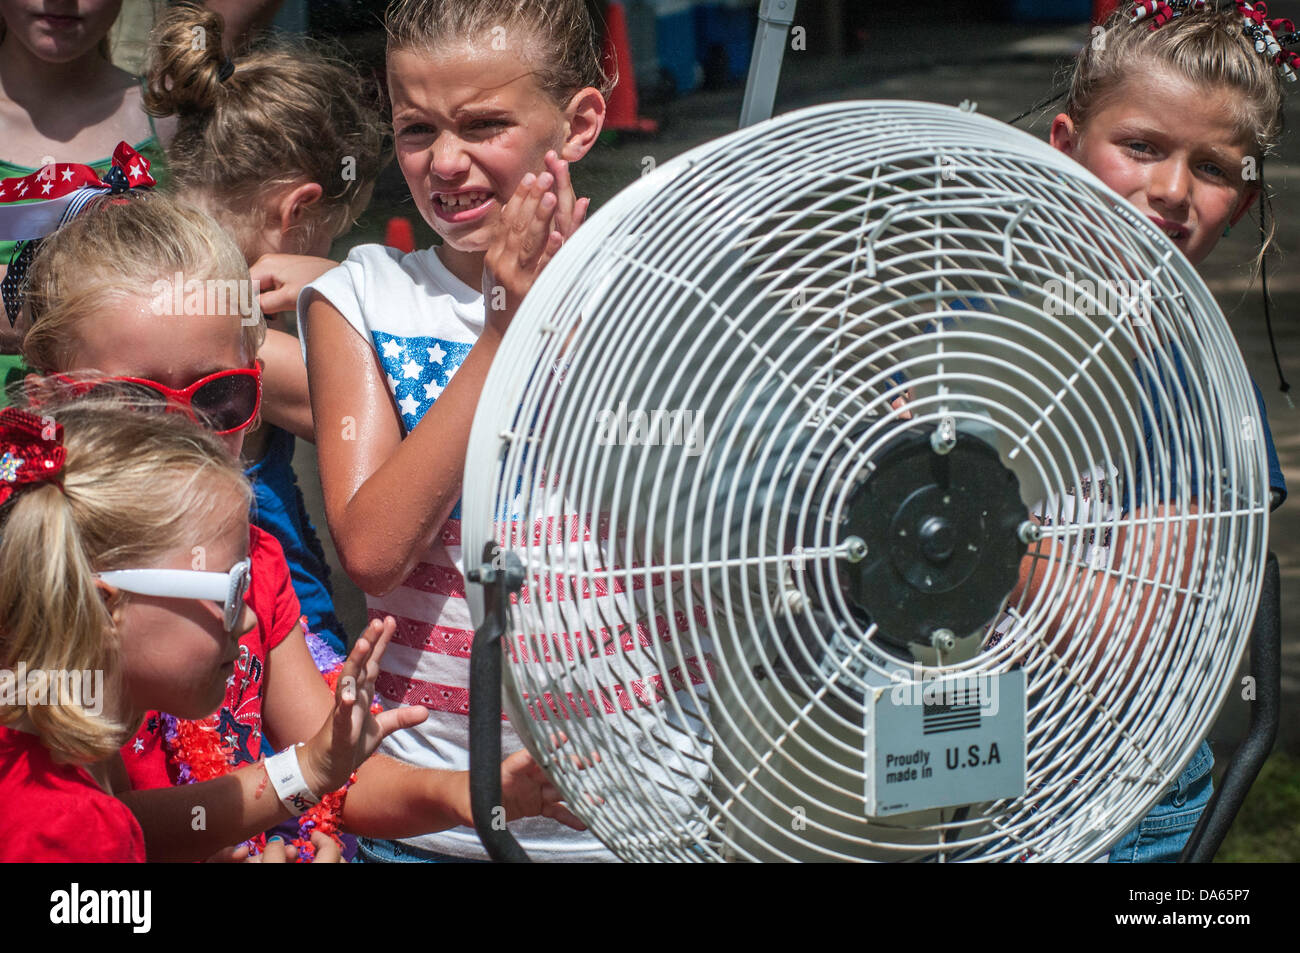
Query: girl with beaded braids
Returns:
{"type": "Point", "coordinates": [281, 145]}
{"type": "Point", "coordinates": [1175, 106]}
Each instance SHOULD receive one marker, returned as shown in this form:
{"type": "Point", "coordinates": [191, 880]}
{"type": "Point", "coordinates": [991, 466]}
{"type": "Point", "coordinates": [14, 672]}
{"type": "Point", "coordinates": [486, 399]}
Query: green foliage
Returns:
{"type": "Point", "coordinates": [1267, 828]}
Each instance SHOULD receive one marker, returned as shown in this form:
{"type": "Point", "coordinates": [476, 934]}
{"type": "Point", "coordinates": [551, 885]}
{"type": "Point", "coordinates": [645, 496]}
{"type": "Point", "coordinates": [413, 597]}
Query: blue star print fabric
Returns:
{"type": "Point", "coordinates": [418, 369]}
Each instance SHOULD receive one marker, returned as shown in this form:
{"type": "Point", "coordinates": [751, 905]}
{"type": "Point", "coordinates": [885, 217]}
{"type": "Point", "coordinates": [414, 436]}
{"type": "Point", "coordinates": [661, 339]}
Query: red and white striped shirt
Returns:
{"type": "Point", "coordinates": [422, 321]}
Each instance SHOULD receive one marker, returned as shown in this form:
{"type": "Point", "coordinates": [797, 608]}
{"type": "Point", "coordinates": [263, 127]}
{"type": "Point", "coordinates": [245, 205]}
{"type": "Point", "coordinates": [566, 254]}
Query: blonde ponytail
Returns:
{"type": "Point", "coordinates": [48, 586]}
{"type": "Point", "coordinates": [136, 486]}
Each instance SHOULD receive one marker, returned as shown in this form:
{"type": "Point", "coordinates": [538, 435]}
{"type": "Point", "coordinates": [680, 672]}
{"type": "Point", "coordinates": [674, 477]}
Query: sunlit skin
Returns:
{"type": "Point", "coordinates": [1171, 149]}
{"type": "Point", "coordinates": [468, 119]}
{"type": "Point", "coordinates": [176, 653]}
{"type": "Point", "coordinates": [59, 31]}
{"type": "Point", "coordinates": [124, 338]}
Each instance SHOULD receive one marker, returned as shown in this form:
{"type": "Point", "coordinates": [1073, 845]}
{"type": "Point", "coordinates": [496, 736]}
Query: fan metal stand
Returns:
{"type": "Point", "coordinates": [501, 575]}
{"type": "Point", "coordinates": [1265, 713]}
{"type": "Point", "coordinates": [774, 19]}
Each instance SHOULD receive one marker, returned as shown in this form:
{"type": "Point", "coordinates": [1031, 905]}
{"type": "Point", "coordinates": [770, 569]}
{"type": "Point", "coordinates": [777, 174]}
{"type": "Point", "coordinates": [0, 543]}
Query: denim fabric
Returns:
{"type": "Point", "coordinates": [1159, 837]}
{"type": "Point", "coordinates": [370, 851]}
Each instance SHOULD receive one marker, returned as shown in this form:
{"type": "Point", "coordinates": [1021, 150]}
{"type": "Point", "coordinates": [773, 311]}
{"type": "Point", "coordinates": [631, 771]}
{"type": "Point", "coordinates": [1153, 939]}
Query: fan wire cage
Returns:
{"type": "Point", "coordinates": [708, 429]}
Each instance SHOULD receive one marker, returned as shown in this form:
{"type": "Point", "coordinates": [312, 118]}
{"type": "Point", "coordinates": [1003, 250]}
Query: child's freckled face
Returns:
{"type": "Point", "coordinates": [124, 338]}
{"type": "Point", "coordinates": [469, 122]}
{"type": "Point", "coordinates": [1173, 151]}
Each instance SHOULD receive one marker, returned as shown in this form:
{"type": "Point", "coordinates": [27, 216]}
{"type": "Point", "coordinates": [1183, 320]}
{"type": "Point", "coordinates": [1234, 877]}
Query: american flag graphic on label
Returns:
{"type": "Point", "coordinates": [959, 713]}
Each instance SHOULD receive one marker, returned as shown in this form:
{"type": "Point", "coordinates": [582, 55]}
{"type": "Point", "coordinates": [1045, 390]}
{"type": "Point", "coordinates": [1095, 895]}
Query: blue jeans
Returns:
{"type": "Point", "coordinates": [370, 851]}
{"type": "Point", "coordinates": [1159, 837]}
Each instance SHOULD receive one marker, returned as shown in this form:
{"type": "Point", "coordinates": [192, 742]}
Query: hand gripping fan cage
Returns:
{"type": "Point", "coordinates": [768, 446]}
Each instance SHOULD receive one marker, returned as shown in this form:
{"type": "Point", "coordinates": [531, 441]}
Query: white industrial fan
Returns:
{"type": "Point", "coordinates": [773, 446]}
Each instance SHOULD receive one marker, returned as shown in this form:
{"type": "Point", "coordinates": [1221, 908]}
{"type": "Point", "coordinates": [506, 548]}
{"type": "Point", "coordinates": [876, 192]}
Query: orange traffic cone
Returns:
{"type": "Point", "coordinates": [621, 112]}
{"type": "Point", "coordinates": [400, 235]}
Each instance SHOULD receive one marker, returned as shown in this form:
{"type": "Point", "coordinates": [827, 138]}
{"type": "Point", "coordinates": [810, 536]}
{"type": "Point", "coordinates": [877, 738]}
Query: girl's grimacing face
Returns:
{"type": "Point", "coordinates": [176, 654]}
{"type": "Point", "coordinates": [59, 32]}
{"type": "Point", "coordinates": [124, 338]}
{"type": "Point", "coordinates": [1171, 150]}
{"type": "Point", "coordinates": [469, 124]}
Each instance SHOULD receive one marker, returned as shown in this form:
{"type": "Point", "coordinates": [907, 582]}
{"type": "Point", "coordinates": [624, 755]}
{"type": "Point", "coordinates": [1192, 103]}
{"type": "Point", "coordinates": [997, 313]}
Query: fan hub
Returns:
{"type": "Point", "coordinates": [938, 538]}
{"type": "Point", "coordinates": [942, 537]}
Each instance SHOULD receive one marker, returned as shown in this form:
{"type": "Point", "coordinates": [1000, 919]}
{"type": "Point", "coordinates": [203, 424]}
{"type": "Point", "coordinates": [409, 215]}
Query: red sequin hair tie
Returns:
{"type": "Point", "coordinates": [31, 452]}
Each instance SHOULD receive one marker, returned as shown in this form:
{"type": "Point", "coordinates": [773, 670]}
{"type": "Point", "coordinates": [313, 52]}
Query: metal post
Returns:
{"type": "Point", "coordinates": [774, 19]}
{"type": "Point", "coordinates": [501, 574]}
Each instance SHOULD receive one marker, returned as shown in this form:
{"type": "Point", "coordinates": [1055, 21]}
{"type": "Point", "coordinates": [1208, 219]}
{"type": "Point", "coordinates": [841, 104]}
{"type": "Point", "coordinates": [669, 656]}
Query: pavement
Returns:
{"type": "Point", "coordinates": [1004, 70]}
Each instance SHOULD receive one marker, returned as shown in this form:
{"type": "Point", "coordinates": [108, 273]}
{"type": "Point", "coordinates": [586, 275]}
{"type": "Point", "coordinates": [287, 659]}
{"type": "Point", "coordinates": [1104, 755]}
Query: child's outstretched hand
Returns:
{"type": "Point", "coordinates": [352, 732]}
{"type": "Point", "coordinates": [526, 791]}
{"type": "Point", "coordinates": [536, 221]}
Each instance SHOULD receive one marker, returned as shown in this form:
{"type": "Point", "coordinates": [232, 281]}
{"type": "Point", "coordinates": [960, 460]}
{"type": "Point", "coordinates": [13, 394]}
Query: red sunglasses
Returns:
{"type": "Point", "coordinates": [227, 400]}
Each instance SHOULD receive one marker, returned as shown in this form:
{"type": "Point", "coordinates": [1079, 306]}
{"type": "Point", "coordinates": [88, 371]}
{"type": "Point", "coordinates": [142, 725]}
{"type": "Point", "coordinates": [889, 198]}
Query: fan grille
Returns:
{"type": "Point", "coordinates": [778, 303]}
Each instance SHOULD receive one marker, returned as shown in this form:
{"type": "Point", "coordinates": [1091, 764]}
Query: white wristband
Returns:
{"type": "Point", "coordinates": [290, 786]}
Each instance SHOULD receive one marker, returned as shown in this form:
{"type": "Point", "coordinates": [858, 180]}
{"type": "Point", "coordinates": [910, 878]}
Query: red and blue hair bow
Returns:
{"type": "Point", "coordinates": [34, 205]}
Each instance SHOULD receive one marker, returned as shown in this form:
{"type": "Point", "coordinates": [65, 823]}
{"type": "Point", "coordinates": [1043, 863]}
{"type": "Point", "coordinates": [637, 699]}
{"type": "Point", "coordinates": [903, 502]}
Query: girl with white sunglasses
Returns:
{"type": "Point", "coordinates": [102, 510]}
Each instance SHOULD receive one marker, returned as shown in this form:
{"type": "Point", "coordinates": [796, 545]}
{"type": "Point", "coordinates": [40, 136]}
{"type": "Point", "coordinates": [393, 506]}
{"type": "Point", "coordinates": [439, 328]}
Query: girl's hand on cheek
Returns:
{"type": "Point", "coordinates": [524, 243]}
{"type": "Point", "coordinates": [570, 212]}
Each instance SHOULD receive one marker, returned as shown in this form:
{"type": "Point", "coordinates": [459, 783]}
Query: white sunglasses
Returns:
{"type": "Point", "coordinates": [227, 588]}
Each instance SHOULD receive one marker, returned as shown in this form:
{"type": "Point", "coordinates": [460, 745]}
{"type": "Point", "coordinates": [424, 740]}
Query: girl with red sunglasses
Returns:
{"type": "Point", "coordinates": [93, 323]}
{"type": "Point", "coordinates": [225, 402]}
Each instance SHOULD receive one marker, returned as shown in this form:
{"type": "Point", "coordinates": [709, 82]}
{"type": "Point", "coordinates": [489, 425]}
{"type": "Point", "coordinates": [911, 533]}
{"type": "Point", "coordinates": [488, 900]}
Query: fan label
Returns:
{"type": "Point", "coordinates": [944, 742]}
